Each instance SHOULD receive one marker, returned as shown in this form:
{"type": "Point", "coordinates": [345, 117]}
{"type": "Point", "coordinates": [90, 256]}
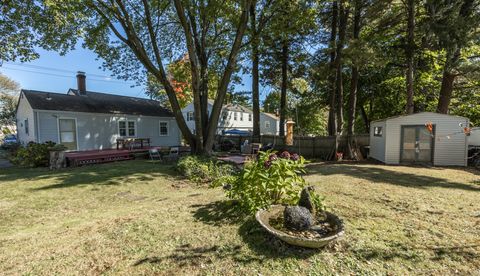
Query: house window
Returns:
{"type": "Point", "coordinates": [225, 116]}
{"type": "Point", "coordinates": [163, 128]}
{"type": "Point", "coordinates": [241, 116]}
{"type": "Point", "coordinates": [190, 116]}
{"type": "Point", "coordinates": [378, 131]}
{"type": "Point", "coordinates": [267, 124]}
{"type": "Point", "coordinates": [250, 117]}
{"type": "Point", "coordinates": [234, 116]}
{"type": "Point", "coordinates": [26, 127]}
{"type": "Point", "coordinates": [126, 128]}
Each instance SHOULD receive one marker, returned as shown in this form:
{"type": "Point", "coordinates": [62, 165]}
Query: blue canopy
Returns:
{"type": "Point", "coordinates": [236, 132]}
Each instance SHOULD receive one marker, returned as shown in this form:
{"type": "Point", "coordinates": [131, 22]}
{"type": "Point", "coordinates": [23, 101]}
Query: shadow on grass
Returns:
{"type": "Point", "coordinates": [186, 255]}
{"type": "Point", "coordinates": [270, 247]}
{"type": "Point", "coordinates": [261, 242]}
{"type": "Point", "coordinates": [377, 174]}
{"type": "Point", "coordinates": [103, 174]}
{"type": "Point", "coordinates": [219, 213]}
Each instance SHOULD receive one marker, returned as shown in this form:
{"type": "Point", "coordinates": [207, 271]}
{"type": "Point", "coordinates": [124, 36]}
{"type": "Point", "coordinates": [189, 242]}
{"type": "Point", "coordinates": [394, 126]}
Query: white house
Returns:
{"type": "Point", "coordinates": [409, 139]}
{"type": "Point", "coordinates": [85, 120]}
{"type": "Point", "coordinates": [236, 117]}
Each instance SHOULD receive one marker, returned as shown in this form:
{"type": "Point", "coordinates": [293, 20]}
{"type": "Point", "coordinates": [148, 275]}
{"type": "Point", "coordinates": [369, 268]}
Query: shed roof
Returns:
{"type": "Point", "coordinates": [403, 115]}
{"type": "Point", "coordinates": [94, 102]}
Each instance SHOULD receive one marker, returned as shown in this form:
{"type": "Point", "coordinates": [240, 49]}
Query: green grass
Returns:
{"type": "Point", "coordinates": [138, 217]}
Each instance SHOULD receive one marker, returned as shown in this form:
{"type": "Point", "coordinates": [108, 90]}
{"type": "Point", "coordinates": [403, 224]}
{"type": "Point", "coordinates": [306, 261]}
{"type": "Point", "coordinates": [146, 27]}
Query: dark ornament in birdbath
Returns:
{"type": "Point", "coordinates": [297, 218]}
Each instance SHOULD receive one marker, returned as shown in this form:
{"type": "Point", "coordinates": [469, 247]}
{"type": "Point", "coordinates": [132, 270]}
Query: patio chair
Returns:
{"type": "Point", "coordinates": [173, 155]}
{"type": "Point", "coordinates": [154, 154]}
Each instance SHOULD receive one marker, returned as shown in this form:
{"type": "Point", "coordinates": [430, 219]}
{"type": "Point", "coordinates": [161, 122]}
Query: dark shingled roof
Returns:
{"type": "Point", "coordinates": [94, 102]}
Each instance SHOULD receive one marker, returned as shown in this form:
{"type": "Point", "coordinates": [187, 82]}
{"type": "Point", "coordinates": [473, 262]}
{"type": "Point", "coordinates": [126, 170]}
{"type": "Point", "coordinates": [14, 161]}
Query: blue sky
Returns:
{"type": "Point", "coordinates": [55, 73]}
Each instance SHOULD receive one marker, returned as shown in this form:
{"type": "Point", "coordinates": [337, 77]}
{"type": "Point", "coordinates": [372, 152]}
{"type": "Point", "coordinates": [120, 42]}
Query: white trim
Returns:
{"type": "Point", "coordinates": [76, 130]}
{"type": "Point", "coordinates": [168, 128]}
{"type": "Point", "coordinates": [267, 123]}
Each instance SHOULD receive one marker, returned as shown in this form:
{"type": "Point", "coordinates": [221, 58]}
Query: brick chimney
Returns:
{"type": "Point", "coordinates": [81, 83]}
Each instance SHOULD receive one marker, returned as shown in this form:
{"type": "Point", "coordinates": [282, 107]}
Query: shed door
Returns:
{"type": "Point", "coordinates": [417, 144]}
{"type": "Point", "coordinates": [68, 133]}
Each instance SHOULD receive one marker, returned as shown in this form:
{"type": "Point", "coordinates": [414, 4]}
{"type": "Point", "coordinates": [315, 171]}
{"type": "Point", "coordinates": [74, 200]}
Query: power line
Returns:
{"type": "Point", "coordinates": [64, 76]}
{"type": "Point", "coordinates": [51, 69]}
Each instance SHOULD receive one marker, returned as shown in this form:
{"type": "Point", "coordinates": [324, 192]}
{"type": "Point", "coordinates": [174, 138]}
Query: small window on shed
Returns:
{"type": "Point", "coordinates": [378, 131]}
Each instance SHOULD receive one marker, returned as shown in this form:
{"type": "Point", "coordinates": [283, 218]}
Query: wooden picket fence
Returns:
{"type": "Point", "coordinates": [312, 147]}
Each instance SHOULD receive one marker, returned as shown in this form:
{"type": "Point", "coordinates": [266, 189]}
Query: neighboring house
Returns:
{"type": "Point", "coordinates": [407, 139]}
{"type": "Point", "coordinates": [84, 120]}
{"type": "Point", "coordinates": [236, 117]}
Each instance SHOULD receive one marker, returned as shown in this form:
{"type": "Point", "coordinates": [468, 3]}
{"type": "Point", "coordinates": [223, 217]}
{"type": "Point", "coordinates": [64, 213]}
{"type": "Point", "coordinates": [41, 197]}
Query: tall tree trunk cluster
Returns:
{"type": "Point", "coordinates": [409, 54]}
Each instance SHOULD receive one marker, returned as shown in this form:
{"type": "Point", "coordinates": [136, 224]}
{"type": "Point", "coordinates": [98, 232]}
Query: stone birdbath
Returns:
{"type": "Point", "coordinates": [299, 225]}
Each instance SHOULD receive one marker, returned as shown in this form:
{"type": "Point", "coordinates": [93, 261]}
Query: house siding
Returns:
{"type": "Point", "coordinates": [378, 144]}
{"type": "Point", "coordinates": [25, 111]}
{"type": "Point", "coordinates": [274, 125]}
{"type": "Point", "coordinates": [450, 151]}
{"type": "Point", "coordinates": [100, 131]}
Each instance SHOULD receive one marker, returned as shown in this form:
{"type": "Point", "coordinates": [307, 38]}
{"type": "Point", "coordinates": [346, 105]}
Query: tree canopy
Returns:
{"type": "Point", "coordinates": [332, 65]}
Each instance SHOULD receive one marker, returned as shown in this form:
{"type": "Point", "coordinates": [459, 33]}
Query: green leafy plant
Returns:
{"type": "Point", "coordinates": [271, 179]}
{"type": "Point", "coordinates": [33, 155]}
{"type": "Point", "coordinates": [203, 169]}
{"type": "Point", "coordinates": [317, 201]}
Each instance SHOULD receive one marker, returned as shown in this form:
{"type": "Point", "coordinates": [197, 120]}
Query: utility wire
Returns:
{"type": "Point", "coordinates": [64, 76]}
{"type": "Point", "coordinates": [51, 69]}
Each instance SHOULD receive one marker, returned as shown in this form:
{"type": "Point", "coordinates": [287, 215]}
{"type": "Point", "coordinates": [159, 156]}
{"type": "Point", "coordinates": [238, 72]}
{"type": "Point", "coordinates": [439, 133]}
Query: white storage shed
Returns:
{"type": "Point", "coordinates": [407, 139]}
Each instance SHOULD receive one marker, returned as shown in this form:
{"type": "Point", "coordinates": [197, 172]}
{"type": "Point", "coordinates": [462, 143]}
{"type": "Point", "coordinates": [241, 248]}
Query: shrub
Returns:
{"type": "Point", "coordinates": [33, 155]}
{"type": "Point", "coordinates": [271, 179]}
{"type": "Point", "coordinates": [202, 169]}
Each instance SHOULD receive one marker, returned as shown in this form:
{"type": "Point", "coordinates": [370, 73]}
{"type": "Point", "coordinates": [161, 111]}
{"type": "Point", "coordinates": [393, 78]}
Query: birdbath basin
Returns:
{"type": "Point", "coordinates": [317, 240]}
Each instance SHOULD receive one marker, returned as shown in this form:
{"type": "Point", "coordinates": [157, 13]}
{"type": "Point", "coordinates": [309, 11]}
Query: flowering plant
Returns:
{"type": "Point", "coordinates": [271, 179]}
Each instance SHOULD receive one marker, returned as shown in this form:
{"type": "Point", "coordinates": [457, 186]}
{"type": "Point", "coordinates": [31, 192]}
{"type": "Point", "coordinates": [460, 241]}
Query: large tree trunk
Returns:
{"type": "Point", "coordinates": [255, 75]}
{"type": "Point", "coordinates": [352, 99]}
{"type": "Point", "coordinates": [453, 57]}
{"type": "Point", "coordinates": [225, 80]}
{"type": "Point", "coordinates": [445, 92]}
{"type": "Point", "coordinates": [284, 86]}
{"type": "Point", "coordinates": [342, 28]}
{"type": "Point", "coordinates": [332, 124]}
{"type": "Point", "coordinates": [366, 121]}
{"type": "Point", "coordinates": [409, 53]}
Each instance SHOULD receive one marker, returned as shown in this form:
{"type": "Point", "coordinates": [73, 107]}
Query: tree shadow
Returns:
{"type": "Point", "coordinates": [117, 173]}
{"type": "Point", "coordinates": [377, 174]}
{"type": "Point", "coordinates": [186, 255]}
{"type": "Point", "coordinates": [254, 236]}
{"type": "Point", "coordinates": [270, 247]}
{"type": "Point", "coordinates": [219, 213]}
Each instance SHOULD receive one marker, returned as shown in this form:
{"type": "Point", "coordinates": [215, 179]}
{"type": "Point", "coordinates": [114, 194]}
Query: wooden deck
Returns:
{"type": "Point", "coordinates": [79, 158]}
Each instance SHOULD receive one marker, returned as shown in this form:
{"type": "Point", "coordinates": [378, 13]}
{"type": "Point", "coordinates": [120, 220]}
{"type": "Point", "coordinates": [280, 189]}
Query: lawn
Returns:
{"type": "Point", "coordinates": [138, 217]}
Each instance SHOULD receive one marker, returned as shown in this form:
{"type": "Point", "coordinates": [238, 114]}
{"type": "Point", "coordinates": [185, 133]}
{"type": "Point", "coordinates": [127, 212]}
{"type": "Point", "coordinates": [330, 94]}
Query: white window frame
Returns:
{"type": "Point", "coordinates": [190, 116]}
{"type": "Point", "coordinates": [267, 124]}
{"type": "Point", "coordinates": [126, 128]}
{"type": "Point", "coordinates": [76, 130]}
{"type": "Point", "coordinates": [249, 117]}
{"type": "Point", "coordinates": [378, 131]}
{"type": "Point", "coordinates": [235, 116]}
{"type": "Point", "coordinates": [160, 128]}
{"type": "Point", "coordinates": [241, 116]}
